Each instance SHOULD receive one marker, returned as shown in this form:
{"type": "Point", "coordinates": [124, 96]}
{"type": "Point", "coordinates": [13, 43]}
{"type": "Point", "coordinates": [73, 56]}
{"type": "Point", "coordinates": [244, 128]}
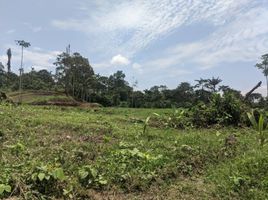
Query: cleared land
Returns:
{"type": "Point", "coordinates": [65, 153]}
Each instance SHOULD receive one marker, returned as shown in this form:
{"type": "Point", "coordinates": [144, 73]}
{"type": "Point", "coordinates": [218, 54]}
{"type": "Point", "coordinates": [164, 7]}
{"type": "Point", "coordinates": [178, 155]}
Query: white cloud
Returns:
{"type": "Point", "coordinates": [42, 59]}
{"type": "Point", "coordinates": [130, 26]}
{"type": "Point", "coordinates": [120, 60]}
{"type": "Point", "coordinates": [243, 39]}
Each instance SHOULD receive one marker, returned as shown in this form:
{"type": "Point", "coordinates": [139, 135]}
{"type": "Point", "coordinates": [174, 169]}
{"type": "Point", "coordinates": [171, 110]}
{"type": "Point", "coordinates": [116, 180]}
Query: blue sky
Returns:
{"type": "Point", "coordinates": [153, 41]}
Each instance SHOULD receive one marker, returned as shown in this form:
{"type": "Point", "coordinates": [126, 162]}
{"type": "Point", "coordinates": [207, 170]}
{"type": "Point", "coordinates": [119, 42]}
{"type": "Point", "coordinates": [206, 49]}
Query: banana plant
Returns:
{"type": "Point", "coordinates": [258, 126]}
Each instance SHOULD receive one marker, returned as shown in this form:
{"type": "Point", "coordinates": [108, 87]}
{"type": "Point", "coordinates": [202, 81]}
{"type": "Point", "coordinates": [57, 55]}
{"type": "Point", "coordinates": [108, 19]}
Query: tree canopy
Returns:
{"type": "Point", "coordinates": [75, 76]}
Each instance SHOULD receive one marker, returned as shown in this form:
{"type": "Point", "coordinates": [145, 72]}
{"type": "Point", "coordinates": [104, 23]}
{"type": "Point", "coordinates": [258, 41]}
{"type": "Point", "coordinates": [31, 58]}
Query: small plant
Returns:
{"type": "Point", "coordinates": [259, 125]}
{"type": "Point", "coordinates": [17, 148]}
{"type": "Point", "coordinates": [89, 176]}
{"type": "Point", "coordinates": [146, 123]}
{"type": "Point", "coordinates": [178, 118]}
{"type": "Point", "coordinates": [46, 178]}
{"type": "Point", "coordinates": [4, 188]}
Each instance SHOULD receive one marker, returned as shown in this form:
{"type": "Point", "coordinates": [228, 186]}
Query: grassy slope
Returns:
{"type": "Point", "coordinates": [161, 164]}
{"type": "Point", "coordinates": [41, 97]}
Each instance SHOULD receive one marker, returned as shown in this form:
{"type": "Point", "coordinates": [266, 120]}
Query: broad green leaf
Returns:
{"type": "Point", "coordinates": [103, 182]}
{"type": "Point", "coordinates": [34, 176]}
{"type": "Point", "coordinates": [8, 188]}
{"type": "Point", "coordinates": [59, 174]}
{"type": "Point", "coordinates": [218, 133]}
{"type": "Point", "coordinates": [41, 176]}
{"type": "Point", "coordinates": [65, 192]}
{"type": "Point", "coordinates": [83, 173]}
{"type": "Point", "coordinates": [4, 188]}
{"type": "Point", "coordinates": [94, 172]}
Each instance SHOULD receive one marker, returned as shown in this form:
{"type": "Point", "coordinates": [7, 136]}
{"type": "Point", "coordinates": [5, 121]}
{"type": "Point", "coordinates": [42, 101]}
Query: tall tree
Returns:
{"type": "Point", "coordinates": [75, 75]}
{"type": "Point", "coordinates": [263, 65]}
{"type": "Point", "coordinates": [200, 93]}
{"type": "Point", "coordinates": [9, 55]}
{"type": "Point", "coordinates": [23, 45]}
{"type": "Point", "coordinates": [118, 88]}
{"type": "Point", "coordinates": [183, 94]}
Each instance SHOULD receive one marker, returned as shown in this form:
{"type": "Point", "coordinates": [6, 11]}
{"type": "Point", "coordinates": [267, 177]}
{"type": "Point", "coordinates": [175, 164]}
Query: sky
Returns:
{"type": "Point", "coordinates": [156, 42]}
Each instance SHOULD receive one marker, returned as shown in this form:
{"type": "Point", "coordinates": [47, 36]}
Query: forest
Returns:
{"type": "Point", "coordinates": [76, 78]}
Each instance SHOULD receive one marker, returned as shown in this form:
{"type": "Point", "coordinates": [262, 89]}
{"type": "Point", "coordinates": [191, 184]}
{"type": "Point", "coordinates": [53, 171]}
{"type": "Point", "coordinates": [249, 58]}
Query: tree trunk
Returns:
{"type": "Point", "coordinates": [253, 89]}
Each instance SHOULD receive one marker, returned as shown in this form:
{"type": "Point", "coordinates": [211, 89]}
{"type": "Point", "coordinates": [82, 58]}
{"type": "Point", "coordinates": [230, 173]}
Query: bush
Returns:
{"type": "Point", "coordinates": [223, 110]}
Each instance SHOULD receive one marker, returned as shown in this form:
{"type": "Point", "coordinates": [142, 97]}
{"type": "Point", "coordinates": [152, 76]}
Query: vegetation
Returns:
{"type": "Point", "coordinates": [77, 153]}
{"type": "Point", "coordinates": [76, 78]}
{"type": "Point", "coordinates": [263, 65]}
{"type": "Point", "coordinates": [259, 125]}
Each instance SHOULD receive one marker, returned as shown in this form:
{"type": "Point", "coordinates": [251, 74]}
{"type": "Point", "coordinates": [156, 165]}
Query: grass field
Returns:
{"type": "Point", "coordinates": [104, 153]}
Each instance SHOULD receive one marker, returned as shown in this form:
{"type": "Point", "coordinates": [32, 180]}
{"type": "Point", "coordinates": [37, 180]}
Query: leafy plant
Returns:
{"type": "Point", "coordinates": [178, 118]}
{"type": "Point", "coordinates": [258, 125]}
{"type": "Point", "coordinates": [89, 176]}
{"type": "Point", "coordinates": [4, 188]}
{"type": "Point", "coordinates": [17, 148]}
{"type": "Point", "coordinates": [46, 178]}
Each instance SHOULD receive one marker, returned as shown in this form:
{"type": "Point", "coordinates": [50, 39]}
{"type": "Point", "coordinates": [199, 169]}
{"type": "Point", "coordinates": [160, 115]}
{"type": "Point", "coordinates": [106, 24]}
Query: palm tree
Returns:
{"type": "Point", "coordinates": [212, 84]}
{"type": "Point", "coordinates": [263, 65]}
{"type": "Point", "coordinates": [23, 44]}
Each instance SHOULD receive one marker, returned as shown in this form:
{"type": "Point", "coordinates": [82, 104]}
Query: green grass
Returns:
{"type": "Point", "coordinates": [104, 153]}
{"type": "Point", "coordinates": [40, 97]}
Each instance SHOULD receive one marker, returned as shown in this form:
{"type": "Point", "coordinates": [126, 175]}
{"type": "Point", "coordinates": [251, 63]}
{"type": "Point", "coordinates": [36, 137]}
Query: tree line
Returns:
{"type": "Point", "coordinates": [75, 76]}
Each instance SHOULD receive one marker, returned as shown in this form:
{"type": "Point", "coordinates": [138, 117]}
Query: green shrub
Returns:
{"type": "Point", "coordinates": [223, 110]}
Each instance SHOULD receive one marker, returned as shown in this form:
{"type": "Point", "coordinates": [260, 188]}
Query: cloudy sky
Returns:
{"type": "Point", "coordinates": [152, 41]}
